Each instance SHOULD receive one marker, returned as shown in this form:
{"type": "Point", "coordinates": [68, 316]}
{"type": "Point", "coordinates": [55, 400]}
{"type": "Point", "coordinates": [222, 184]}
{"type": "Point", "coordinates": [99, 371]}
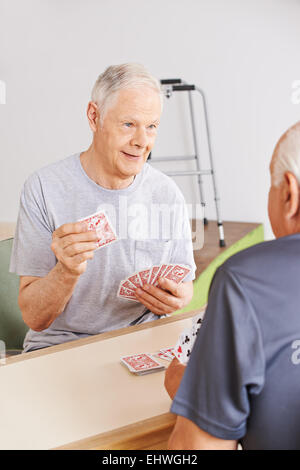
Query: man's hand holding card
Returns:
{"type": "Point", "coordinates": [165, 296]}
{"type": "Point", "coordinates": [182, 352]}
{"type": "Point", "coordinates": [187, 338]}
{"type": "Point", "coordinates": [73, 244]}
{"type": "Point", "coordinates": [159, 288]}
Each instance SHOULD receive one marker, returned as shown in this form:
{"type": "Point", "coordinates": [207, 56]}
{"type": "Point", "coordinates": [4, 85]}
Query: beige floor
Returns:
{"type": "Point", "coordinates": [7, 230]}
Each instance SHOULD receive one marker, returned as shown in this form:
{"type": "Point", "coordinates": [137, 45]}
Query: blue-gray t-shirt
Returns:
{"type": "Point", "coordinates": [242, 381]}
{"type": "Point", "coordinates": [152, 225]}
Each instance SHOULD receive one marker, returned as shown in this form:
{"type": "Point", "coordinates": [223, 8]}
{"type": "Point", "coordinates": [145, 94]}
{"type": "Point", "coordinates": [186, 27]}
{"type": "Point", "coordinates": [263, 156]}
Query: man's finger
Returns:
{"type": "Point", "coordinates": [171, 286]}
{"type": "Point", "coordinates": [153, 308]}
{"type": "Point", "coordinates": [161, 295]}
{"type": "Point", "coordinates": [175, 362]}
{"type": "Point", "coordinates": [67, 229]}
{"type": "Point", "coordinates": [77, 248]}
{"type": "Point", "coordinates": [90, 236]}
{"type": "Point", "coordinates": [154, 302]}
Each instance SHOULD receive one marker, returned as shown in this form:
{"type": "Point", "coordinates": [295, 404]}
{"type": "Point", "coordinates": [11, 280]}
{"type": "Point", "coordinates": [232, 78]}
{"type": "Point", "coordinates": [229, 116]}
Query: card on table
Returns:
{"type": "Point", "coordinates": [167, 354]}
{"type": "Point", "coordinates": [141, 364]}
{"type": "Point", "coordinates": [100, 222]}
{"type": "Point", "coordinates": [161, 355]}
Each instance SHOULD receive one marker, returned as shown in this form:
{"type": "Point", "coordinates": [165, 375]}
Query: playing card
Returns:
{"type": "Point", "coordinates": [177, 273]}
{"type": "Point", "coordinates": [167, 270]}
{"type": "Point", "coordinates": [184, 346]}
{"type": "Point", "coordinates": [144, 276]}
{"type": "Point", "coordinates": [126, 293]}
{"type": "Point", "coordinates": [141, 363]}
{"type": "Point", "coordinates": [159, 274]}
{"type": "Point", "coordinates": [100, 222]}
{"type": "Point", "coordinates": [162, 355]}
{"type": "Point", "coordinates": [153, 274]}
{"type": "Point", "coordinates": [194, 331]}
{"type": "Point", "coordinates": [169, 352]}
{"type": "Point", "coordinates": [187, 339]}
{"type": "Point", "coordinates": [135, 280]}
{"type": "Point", "coordinates": [128, 285]}
{"type": "Point", "coordinates": [198, 319]}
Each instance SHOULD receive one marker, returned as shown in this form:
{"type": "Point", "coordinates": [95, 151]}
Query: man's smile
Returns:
{"type": "Point", "coordinates": [131, 156]}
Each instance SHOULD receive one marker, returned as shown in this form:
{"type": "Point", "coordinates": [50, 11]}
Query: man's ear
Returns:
{"type": "Point", "coordinates": [291, 194]}
{"type": "Point", "coordinates": [93, 115]}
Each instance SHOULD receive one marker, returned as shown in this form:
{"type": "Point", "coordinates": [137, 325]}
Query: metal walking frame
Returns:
{"type": "Point", "coordinates": [176, 84]}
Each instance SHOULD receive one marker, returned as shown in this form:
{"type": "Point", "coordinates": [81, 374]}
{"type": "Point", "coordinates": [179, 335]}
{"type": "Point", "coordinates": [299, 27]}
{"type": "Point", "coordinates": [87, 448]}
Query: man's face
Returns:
{"type": "Point", "coordinates": [128, 132]}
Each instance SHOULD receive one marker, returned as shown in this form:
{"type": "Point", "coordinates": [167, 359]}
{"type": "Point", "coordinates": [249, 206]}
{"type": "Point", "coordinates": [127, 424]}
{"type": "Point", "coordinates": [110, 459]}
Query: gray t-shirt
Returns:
{"type": "Point", "coordinates": [152, 226]}
{"type": "Point", "coordinates": [242, 379]}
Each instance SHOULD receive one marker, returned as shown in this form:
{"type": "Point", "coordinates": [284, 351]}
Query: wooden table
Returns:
{"type": "Point", "coordinates": [78, 395]}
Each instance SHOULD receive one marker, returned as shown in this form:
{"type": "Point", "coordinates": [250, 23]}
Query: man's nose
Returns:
{"type": "Point", "coordinates": [140, 138]}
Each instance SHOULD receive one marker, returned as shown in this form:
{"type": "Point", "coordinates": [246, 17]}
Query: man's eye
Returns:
{"type": "Point", "coordinates": [152, 126]}
{"type": "Point", "coordinates": [128, 124]}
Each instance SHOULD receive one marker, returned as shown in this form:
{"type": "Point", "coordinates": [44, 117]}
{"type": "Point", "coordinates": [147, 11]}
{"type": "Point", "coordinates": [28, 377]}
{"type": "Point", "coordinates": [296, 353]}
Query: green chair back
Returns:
{"type": "Point", "coordinates": [12, 326]}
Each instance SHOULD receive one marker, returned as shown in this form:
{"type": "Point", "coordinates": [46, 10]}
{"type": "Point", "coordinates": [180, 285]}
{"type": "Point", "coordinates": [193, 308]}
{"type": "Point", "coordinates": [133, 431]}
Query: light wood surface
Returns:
{"type": "Point", "coordinates": [152, 433]}
{"type": "Point", "coordinates": [79, 395]}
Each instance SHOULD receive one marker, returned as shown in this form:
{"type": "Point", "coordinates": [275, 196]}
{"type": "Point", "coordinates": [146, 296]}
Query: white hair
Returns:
{"type": "Point", "coordinates": [287, 156]}
{"type": "Point", "coordinates": [119, 77]}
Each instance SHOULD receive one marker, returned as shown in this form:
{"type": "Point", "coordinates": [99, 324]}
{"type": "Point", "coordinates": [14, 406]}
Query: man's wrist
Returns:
{"type": "Point", "coordinates": [65, 273]}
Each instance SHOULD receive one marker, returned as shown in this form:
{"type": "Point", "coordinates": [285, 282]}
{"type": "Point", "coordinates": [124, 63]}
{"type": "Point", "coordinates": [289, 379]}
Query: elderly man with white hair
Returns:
{"type": "Point", "coordinates": [242, 379]}
{"type": "Point", "coordinates": [67, 290]}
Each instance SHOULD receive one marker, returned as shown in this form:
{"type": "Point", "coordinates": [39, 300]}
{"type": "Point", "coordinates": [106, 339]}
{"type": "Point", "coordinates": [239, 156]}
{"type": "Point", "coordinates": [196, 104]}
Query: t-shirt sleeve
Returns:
{"type": "Point", "coordinates": [31, 252]}
{"type": "Point", "coordinates": [182, 252]}
{"type": "Point", "coordinates": [227, 362]}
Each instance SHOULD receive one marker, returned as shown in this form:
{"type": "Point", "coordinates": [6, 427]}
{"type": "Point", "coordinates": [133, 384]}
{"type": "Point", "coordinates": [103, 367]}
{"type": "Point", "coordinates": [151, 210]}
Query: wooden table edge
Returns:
{"type": "Point", "coordinates": [131, 437]}
{"type": "Point", "coordinates": [100, 337]}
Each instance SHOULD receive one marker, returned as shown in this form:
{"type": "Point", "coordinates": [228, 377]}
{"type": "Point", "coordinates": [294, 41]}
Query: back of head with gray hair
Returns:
{"type": "Point", "coordinates": [119, 77]}
{"type": "Point", "coordinates": [287, 155]}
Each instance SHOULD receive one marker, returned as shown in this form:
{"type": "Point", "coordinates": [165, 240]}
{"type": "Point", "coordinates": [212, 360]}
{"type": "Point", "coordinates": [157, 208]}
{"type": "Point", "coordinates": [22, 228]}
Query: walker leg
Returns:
{"type": "Point", "coordinates": [200, 182]}
{"type": "Point", "coordinates": [217, 199]}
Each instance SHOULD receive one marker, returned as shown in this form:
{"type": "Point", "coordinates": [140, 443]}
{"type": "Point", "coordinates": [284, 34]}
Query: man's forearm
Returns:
{"type": "Point", "coordinates": [45, 299]}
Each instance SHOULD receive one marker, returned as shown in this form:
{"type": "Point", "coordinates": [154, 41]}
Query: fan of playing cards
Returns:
{"type": "Point", "coordinates": [174, 272]}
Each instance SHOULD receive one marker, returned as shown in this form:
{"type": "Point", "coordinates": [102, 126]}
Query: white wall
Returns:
{"type": "Point", "coordinates": [244, 54]}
